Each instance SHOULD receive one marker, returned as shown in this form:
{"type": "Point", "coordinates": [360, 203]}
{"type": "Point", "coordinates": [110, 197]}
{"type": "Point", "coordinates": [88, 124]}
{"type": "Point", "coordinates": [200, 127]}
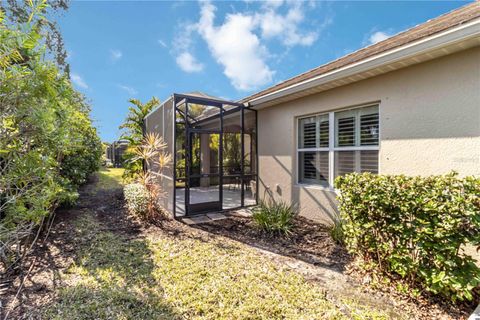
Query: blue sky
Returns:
{"type": "Point", "coordinates": [121, 50]}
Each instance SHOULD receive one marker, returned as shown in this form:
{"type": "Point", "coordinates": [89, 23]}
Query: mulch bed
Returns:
{"type": "Point", "coordinates": [309, 242]}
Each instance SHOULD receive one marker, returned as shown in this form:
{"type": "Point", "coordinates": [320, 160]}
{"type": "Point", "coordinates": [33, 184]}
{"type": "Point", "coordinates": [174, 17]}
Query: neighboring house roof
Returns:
{"type": "Point", "coordinates": [430, 28]}
{"type": "Point", "coordinates": [121, 142]}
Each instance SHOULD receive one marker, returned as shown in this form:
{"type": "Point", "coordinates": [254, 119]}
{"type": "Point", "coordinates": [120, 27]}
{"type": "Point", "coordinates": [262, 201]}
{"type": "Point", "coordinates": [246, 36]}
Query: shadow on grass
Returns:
{"type": "Point", "coordinates": [110, 279]}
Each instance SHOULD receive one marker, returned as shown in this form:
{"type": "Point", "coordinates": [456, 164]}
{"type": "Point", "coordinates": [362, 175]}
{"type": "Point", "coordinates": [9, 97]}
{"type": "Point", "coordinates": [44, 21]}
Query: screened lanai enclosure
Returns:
{"type": "Point", "coordinates": [213, 143]}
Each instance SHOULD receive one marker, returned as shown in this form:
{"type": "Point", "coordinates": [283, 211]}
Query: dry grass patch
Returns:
{"type": "Point", "coordinates": [170, 277]}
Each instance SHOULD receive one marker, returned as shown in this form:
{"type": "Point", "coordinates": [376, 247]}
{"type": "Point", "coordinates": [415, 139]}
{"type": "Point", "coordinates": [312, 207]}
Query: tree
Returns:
{"type": "Point", "coordinates": [133, 127]}
{"type": "Point", "coordinates": [19, 12]}
{"type": "Point", "coordinates": [48, 145]}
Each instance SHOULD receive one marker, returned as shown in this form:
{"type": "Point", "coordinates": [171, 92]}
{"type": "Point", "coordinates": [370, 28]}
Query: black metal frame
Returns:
{"type": "Point", "coordinates": [203, 206]}
{"type": "Point", "coordinates": [180, 99]}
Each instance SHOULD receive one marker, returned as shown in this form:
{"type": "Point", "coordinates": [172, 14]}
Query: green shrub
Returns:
{"type": "Point", "coordinates": [275, 217]}
{"type": "Point", "coordinates": [336, 231]}
{"type": "Point", "coordinates": [83, 158]}
{"type": "Point", "coordinates": [48, 145]}
{"type": "Point", "coordinates": [137, 198]}
{"type": "Point", "coordinates": [415, 227]}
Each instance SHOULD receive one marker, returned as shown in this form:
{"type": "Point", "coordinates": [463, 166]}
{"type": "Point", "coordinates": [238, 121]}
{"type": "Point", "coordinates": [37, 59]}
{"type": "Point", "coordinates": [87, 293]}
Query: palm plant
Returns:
{"type": "Point", "coordinates": [133, 132]}
{"type": "Point", "coordinates": [152, 152]}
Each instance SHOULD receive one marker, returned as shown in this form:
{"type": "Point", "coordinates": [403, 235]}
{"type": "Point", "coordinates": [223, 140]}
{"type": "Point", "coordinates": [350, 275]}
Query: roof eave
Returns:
{"type": "Point", "coordinates": [458, 34]}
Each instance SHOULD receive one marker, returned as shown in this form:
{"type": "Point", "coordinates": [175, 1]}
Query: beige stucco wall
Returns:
{"type": "Point", "coordinates": [429, 124]}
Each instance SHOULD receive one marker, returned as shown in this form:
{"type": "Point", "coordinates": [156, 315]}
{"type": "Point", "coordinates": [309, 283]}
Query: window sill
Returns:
{"type": "Point", "coordinates": [314, 187]}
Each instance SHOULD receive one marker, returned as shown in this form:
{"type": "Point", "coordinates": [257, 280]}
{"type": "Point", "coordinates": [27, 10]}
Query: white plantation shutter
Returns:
{"type": "Point", "coordinates": [369, 161]}
{"type": "Point", "coordinates": [323, 133]}
{"type": "Point", "coordinates": [313, 149]}
{"type": "Point", "coordinates": [357, 129]}
{"type": "Point", "coordinates": [314, 132]}
{"type": "Point", "coordinates": [345, 133]}
{"type": "Point", "coordinates": [309, 139]}
{"type": "Point", "coordinates": [369, 128]}
{"type": "Point", "coordinates": [308, 162]}
{"type": "Point", "coordinates": [314, 167]}
{"type": "Point", "coordinates": [356, 161]}
{"type": "Point", "coordinates": [344, 162]}
{"type": "Point", "coordinates": [353, 146]}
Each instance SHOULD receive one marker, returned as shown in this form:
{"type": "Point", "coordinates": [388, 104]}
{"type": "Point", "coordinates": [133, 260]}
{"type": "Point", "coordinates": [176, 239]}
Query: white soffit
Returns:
{"type": "Point", "coordinates": [456, 39]}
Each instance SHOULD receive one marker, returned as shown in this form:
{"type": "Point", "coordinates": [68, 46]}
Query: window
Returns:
{"type": "Point", "coordinates": [350, 146]}
{"type": "Point", "coordinates": [313, 151]}
{"type": "Point", "coordinates": [314, 167]}
{"type": "Point", "coordinates": [314, 132]}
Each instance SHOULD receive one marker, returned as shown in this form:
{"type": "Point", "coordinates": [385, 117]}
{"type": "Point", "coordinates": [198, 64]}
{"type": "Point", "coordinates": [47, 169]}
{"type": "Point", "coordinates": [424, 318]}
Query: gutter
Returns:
{"type": "Point", "coordinates": [464, 32]}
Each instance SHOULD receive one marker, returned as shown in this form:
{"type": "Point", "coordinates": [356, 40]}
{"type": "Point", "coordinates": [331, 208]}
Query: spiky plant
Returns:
{"type": "Point", "coordinates": [152, 152]}
{"type": "Point", "coordinates": [133, 133]}
{"type": "Point", "coordinates": [275, 217]}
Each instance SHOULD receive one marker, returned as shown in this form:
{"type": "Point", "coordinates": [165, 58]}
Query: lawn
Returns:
{"type": "Point", "coordinates": [175, 272]}
{"type": "Point", "coordinates": [109, 178]}
{"type": "Point", "coordinates": [172, 277]}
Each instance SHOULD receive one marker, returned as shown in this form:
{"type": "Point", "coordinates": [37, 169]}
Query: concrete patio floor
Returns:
{"type": "Point", "coordinates": [231, 197]}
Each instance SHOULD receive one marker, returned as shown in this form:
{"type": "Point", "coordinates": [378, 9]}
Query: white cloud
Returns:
{"type": "Point", "coordinates": [188, 63]}
{"type": "Point", "coordinates": [286, 27]}
{"type": "Point", "coordinates": [115, 55]}
{"type": "Point", "coordinates": [162, 43]}
{"type": "Point", "coordinates": [131, 91]}
{"type": "Point", "coordinates": [183, 38]}
{"type": "Point", "coordinates": [378, 36]}
{"type": "Point", "coordinates": [236, 47]}
{"type": "Point", "coordinates": [182, 48]}
{"type": "Point", "coordinates": [78, 80]}
{"type": "Point", "coordinates": [273, 3]}
{"type": "Point", "coordinates": [239, 43]}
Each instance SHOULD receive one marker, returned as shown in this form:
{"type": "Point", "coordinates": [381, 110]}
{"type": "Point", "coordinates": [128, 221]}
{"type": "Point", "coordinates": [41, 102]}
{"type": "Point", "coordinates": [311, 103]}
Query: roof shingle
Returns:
{"type": "Point", "coordinates": [444, 22]}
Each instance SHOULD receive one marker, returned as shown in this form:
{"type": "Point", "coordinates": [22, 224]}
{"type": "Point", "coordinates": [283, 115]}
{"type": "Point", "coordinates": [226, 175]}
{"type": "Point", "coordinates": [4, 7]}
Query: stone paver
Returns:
{"type": "Point", "coordinates": [204, 218]}
{"type": "Point", "coordinates": [241, 212]}
{"type": "Point", "coordinates": [196, 220]}
{"type": "Point", "coordinates": [216, 216]}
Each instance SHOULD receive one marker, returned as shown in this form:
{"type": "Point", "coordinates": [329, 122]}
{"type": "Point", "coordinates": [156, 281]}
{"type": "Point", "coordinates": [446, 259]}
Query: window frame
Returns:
{"type": "Point", "coordinates": [331, 144]}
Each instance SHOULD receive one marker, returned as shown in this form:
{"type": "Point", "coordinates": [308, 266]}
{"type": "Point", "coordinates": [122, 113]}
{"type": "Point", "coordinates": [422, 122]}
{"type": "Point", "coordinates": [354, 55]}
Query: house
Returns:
{"type": "Point", "coordinates": [407, 105]}
{"type": "Point", "coordinates": [115, 151]}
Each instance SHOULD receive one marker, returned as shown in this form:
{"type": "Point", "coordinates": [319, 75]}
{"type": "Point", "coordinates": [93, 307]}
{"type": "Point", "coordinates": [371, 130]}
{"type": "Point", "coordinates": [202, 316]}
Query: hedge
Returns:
{"type": "Point", "coordinates": [137, 199]}
{"type": "Point", "coordinates": [415, 228]}
{"type": "Point", "coordinates": [48, 144]}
